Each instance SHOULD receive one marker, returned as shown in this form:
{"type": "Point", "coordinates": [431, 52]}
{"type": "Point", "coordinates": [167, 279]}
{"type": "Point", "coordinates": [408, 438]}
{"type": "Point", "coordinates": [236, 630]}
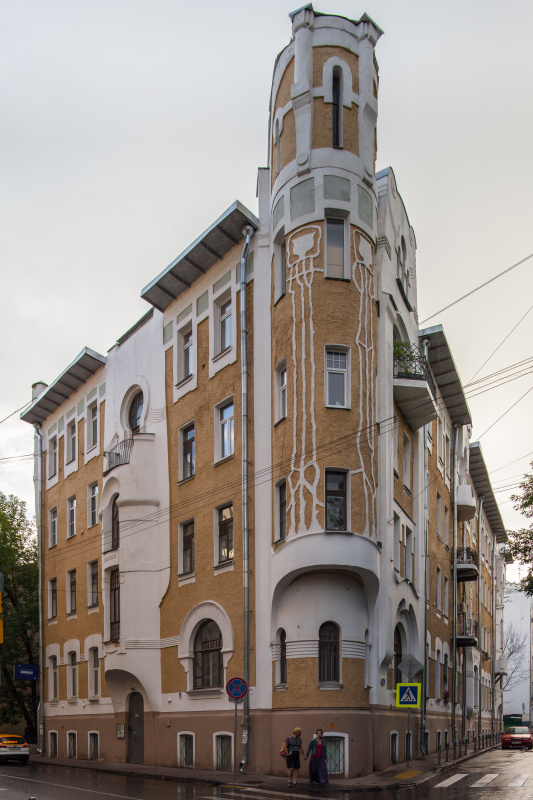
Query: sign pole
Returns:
{"type": "Point", "coordinates": [237, 688]}
{"type": "Point", "coordinates": [235, 746]}
{"type": "Point", "coordinates": [408, 735]}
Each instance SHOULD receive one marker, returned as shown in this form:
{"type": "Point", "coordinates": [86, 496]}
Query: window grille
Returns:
{"type": "Point", "coordinates": [186, 750]}
{"type": "Point", "coordinates": [335, 746]}
{"type": "Point", "coordinates": [224, 752]}
{"type": "Point", "coordinates": [72, 745]}
{"type": "Point", "coordinates": [93, 747]}
{"type": "Point", "coordinates": [114, 605]}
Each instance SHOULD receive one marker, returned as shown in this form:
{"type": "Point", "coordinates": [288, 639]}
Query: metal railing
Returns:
{"type": "Point", "coordinates": [467, 627]}
{"type": "Point", "coordinates": [118, 455]}
{"type": "Point", "coordinates": [466, 555]}
{"type": "Point", "coordinates": [409, 363]}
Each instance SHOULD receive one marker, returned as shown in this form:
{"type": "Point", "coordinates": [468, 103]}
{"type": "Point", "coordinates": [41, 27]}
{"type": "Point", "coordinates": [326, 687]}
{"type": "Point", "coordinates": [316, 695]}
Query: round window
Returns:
{"type": "Point", "coordinates": [134, 417]}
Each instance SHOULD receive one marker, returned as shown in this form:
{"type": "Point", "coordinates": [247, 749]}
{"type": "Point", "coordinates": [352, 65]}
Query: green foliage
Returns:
{"type": "Point", "coordinates": [521, 541]}
{"type": "Point", "coordinates": [18, 562]}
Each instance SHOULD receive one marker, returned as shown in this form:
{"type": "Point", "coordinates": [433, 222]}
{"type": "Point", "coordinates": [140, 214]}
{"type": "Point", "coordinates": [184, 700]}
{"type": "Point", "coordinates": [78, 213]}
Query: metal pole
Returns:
{"type": "Point", "coordinates": [479, 702]}
{"type": "Point", "coordinates": [408, 734]}
{"type": "Point", "coordinates": [235, 746]}
{"type": "Point", "coordinates": [248, 233]}
{"type": "Point", "coordinates": [38, 479]}
{"type": "Point", "coordinates": [454, 643]}
{"type": "Point", "coordinates": [423, 704]}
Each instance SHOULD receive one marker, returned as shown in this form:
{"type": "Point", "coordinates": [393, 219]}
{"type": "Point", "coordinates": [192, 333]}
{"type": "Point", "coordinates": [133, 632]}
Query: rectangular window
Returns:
{"type": "Point", "coordinates": [446, 596]}
{"type": "Point", "coordinates": [409, 554]}
{"type": "Point", "coordinates": [52, 457]}
{"type": "Point", "coordinates": [93, 504]}
{"type": "Point", "coordinates": [52, 529]}
{"type": "Point", "coordinates": [335, 247]}
{"type": "Point", "coordinates": [186, 750]}
{"type": "Point", "coordinates": [337, 378]}
{"type": "Point", "coordinates": [283, 267]}
{"type": "Point", "coordinates": [446, 526]}
{"type": "Point", "coordinates": [71, 442]}
{"type": "Point", "coordinates": [226, 430]}
{"type": "Point", "coordinates": [447, 457]}
{"type": "Point", "coordinates": [336, 495]}
{"type": "Point", "coordinates": [71, 516]}
{"type": "Point", "coordinates": [93, 583]}
{"type": "Point", "coordinates": [395, 445]}
{"type": "Point", "coordinates": [188, 452]}
{"type": "Point", "coordinates": [187, 350]}
{"type": "Point", "coordinates": [225, 534]}
{"type": "Point", "coordinates": [406, 462]}
{"type": "Point", "coordinates": [439, 590]}
{"type": "Point", "coordinates": [92, 426]}
{"type": "Point", "coordinates": [52, 598]}
{"type": "Point", "coordinates": [281, 385]}
{"type": "Point", "coordinates": [439, 516]}
{"type": "Point", "coordinates": [73, 676]}
{"type": "Point", "coordinates": [187, 532]}
{"type": "Point", "coordinates": [53, 744]}
{"type": "Point", "coordinates": [114, 605]}
{"type": "Point", "coordinates": [94, 672]}
{"type": "Point", "coordinates": [93, 746]}
{"type": "Point", "coordinates": [225, 325]}
{"type": "Point", "coordinates": [224, 760]}
{"type": "Point", "coordinates": [282, 510]}
{"type": "Point", "coordinates": [440, 441]}
{"type": "Point", "coordinates": [54, 686]}
{"type": "Point", "coordinates": [71, 591]}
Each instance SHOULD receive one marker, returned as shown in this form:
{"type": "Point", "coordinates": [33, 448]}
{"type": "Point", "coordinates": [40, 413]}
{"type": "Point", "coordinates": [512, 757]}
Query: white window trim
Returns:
{"type": "Point", "coordinates": [187, 733]}
{"type": "Point", "coordinates": [278, 387]}
{"type": "Point", "coordinates": [333, 468]}
{"type": "Point", "coordinates": [218, 427]}
{"type": "Point", "coordinates": [71, 466]}
{"type": "Point", "coordinates": [208, 609]}
{"type": "Point", "coordinates": [186, 327]}
{"type": "Point", "coordinates": [50, 527]}
{"type": "Point", "coordinates": [69, 534]}
{"type": "Point", "coordinates": [187, 577]}
{"type": "Point", "coordinates": [90, 523]}
{"type": "Point", "coordinates": [218, 360]}
{"type": "Point", "coordinates": [89, 444]}
{"type": "Point", "coordinates": [52, 696]}
{"type": "Point", "coordinates": [180, 448]}
{"type": "Point", "coordinates": [55, 452]}
{"type": "Point", "coordinates": [93, 733]}
{"type": "Point", "coordinates": [222, 566]}
{"type": "Point", "coordinates": [89, 586]}
{"type": "Point", "coordinates": [90, 674]}
{"type": "Point", "coordinates": [222, 733]}
{"type": "Point", "coordinates": [70, 694]}
{"type": "Point", "coordinates": [339, 348]}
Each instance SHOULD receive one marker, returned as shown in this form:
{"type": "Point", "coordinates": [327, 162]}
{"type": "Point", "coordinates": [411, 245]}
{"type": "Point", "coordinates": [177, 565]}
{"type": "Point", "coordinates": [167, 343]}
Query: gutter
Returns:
{"type": "Point", "coordinates": [454, 644]}
{"type": "Point", "coordinates": [38, 481]}
{"type": "Point", "coordinates": [425, 345]}
{"type": "Point", "coordinates": [480, 509]}
{"type": "Point", "coordinates": [248, 233]}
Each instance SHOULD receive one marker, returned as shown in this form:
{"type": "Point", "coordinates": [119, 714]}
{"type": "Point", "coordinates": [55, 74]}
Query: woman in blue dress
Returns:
{"type": "Point", "coordinates": [318, 771]}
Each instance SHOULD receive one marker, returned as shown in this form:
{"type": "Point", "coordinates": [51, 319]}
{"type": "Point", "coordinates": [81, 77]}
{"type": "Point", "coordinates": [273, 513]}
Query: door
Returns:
{"type": "Point", "coordinates": [136, 729]}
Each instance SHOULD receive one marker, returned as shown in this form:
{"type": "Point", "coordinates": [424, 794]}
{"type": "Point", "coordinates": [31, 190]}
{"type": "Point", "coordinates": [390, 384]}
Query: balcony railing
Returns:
{"type": "Point", "coordinates": [410, 364]}
{"type": "Point", "coordinates": [466, 555]}
{"type": "Point", "coordinates": [466, 627]}
{"type": "Point", "coordinates": [118, 455]}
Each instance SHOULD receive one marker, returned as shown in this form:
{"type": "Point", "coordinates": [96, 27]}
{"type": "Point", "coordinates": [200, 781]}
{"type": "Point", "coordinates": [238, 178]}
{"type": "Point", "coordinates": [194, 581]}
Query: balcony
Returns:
{"type": "Point", "coordinates": [467, 564]}
{"type": "Point", "coordinates": [505, 552]}
{"type": "Point", "coordinates": [501, 537]}
{"type": "Point", "coordinates": [500, 666]}
{"type": "Point", "coordinates": [466, 504]}
{"type": "Point", "coordinates": [413, 385]}
{"type": "Point", "coordinates": [466, 632]}
{"type": "Point", "coordinates": [118, 455]}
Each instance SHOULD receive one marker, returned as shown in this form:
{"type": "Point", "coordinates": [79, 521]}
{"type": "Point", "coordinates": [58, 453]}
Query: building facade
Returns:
{"type": "Point", "coordinates": [271, 476]}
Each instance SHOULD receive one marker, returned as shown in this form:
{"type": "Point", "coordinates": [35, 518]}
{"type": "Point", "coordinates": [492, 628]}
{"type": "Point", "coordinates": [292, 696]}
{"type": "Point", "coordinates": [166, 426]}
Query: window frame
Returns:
{"type": "Point", "coordinates": [225, 430]}
{"type": "Point", "coordinates": [186, 353]}
{"type": "Point", "coordinates": [115, 524]}
{"type": "Point", "coordinates": [335, 218]}
{"type": "Point", "coordinates": [283, 657]}
{"type": "Point", "coordinates": [93, 584]}
{"type": "Point", "coordinates": [329, 654]}
{"type": "Point", "coordinates": [187, 544]}
{"type": "Point", "coordinates": [135, 411]}
{"type": "Point", "coordinates": [225, 323]}
{"type": "Point", "coordinates": [92, 505]}
{"type": "Point", "coordinates": [202, 678]}
{"type": "Point", "coordinates": [52, 527]}
{"type": "Point", "coordinates": [281, 510]}
{"type": "Point", "coordinates": [71, 591]}
{"type": "Point", "coordinates": [114, 604]}
{"type": "Point", "coordinates": [93, 424]}
{"type": "Point", "coordinates": [54, 678]}
{"type": "Point", "coordinates": [71, 450]}
{"type": "Point", "coordinates": [182, 735]}
{"type": "Point", "coordinates": [406, 457]}
{"type": "Point", "coordinates": [93, 673]}
{"type": "Point", "coordinates": [280, 383]}
{"type": "Point", "coordinates": [337, 350]}
{"type": "Point", "coordinates": [336, 493]}
{"type": "Point", "coordinates": [71, 516]}
{"type": "Point", "coordinates": [52, 598]}
{"type": "Point", "coordinates": [188, 449]}
{"type": "Point", "coordinates": [72, 675]}
{"type": "Point", "coordinates": [336, 111]}
{"type": "Point", "coordinates": [52, 456]}
{"type": "Point", "coordinates": [224, 532]}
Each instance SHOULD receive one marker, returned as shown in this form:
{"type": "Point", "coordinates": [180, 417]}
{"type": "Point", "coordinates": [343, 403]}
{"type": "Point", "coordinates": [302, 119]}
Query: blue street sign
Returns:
{"type": "Point", "coordinates": [237, 688]}
{"type": "Point", "coordinates": [26, 672]}
{"type": "Point", "coordinates": [408, 695]}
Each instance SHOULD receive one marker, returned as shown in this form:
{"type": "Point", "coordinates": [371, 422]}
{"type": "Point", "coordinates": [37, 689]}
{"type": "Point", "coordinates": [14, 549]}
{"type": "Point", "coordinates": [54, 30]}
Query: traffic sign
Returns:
{"type": "Point", "coordinates": [408, 695]}
{"type": "Point", "coordinates": [237, 688]}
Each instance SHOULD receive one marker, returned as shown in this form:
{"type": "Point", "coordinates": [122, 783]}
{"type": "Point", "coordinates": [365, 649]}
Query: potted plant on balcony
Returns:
{"type": "Point", "coordinates": [445, 696]}
{"type": "Point", "coordinates": [406, 359]}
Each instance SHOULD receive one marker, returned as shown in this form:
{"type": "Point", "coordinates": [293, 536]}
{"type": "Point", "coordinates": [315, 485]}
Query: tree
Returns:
{"type": "Point", "coordinates": [517, 658]}
{"type": "Point", "coordinates": [18, 562]}
{"type": "Point", "coordinates": [521, 541]}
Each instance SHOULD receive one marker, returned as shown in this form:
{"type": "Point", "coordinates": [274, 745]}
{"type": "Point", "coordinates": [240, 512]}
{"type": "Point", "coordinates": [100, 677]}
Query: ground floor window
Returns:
{"type": "Point", "coordinates": [93, 747]}
{"type": "Point", "coordinates": [71, 740]}
{"type": "Point", "coordinates": [335, 746]}
{"type": "Point", "coordinates": [223, 749]}
{"type": "Point", "coordinates": [53, 744]}
{"type": "Point", "coordinates": [186, 750]}
{"type": "Point", "coordinates": [394, 748]}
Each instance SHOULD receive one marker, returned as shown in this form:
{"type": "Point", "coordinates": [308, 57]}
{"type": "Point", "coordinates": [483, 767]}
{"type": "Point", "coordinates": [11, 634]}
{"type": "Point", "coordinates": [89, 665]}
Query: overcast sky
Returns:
{"type": "Point", "coordinates": [129, 126]}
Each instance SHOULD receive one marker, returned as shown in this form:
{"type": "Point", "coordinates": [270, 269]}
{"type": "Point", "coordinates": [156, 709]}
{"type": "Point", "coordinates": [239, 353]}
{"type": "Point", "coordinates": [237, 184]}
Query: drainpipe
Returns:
{"type": "Point", "coordinates": [454, 644]}
{"type": "Point", "coordinates": [38, 481]}
{"type": "Point", "coordinates": [493, 643]}
{"type": "Point", "coordinates": [423, 705]}
{"type": "Point", "coordinates": [479, 511]}
{"type": "Point", "coordinates": [248, 233]}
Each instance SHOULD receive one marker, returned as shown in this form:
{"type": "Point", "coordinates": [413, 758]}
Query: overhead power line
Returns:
{"type": "Point", "coordinates": [14, 412]}
{"type": "Point", "coordinates": [468, 294]}
{"type": "Point", "coordinates": [501, 343]}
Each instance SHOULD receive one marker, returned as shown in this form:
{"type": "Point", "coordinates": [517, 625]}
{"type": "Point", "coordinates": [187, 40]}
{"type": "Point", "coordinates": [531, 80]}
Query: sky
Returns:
{"type": "Point", "coordinates": [129, 126]}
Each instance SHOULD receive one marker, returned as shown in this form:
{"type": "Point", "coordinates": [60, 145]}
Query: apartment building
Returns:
{"type": "Point", "coordinates": [271, 476]}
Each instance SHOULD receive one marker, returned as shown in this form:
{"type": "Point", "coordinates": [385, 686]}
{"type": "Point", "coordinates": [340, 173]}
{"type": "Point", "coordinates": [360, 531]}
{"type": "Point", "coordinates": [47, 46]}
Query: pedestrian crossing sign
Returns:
{"type": "Point", "coordinates": [408, 695]}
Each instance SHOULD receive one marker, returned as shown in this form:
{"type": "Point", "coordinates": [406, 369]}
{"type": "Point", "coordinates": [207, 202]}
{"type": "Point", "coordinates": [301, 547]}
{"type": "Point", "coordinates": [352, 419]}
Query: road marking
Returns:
{"type": "Point", "coordinates": [409, 773]}
{"type": "Point", "coordinates": [452, 780]}
{"type": "Point", "coordinates": [519, 780]}
{"type": "Point", "coordinates": [485, 779]}
{"type": "Point", "coordinates": [66, 786]}
{"type": "Point", "coordinates": [245, 790]}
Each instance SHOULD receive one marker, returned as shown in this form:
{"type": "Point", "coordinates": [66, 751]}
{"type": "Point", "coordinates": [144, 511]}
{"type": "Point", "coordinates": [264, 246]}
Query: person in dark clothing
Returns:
{"type": "Point", "coordinates": [293, 748]}
{"type": "Point", "coordinates": [318, 771]}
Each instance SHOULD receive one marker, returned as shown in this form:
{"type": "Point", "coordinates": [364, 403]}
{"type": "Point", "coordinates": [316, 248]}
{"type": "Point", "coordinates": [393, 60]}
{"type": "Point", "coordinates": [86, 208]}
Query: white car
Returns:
{"type": "Point", "coordinates": [13, 748]}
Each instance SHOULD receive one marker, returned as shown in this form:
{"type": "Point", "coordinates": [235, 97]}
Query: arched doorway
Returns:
{"type": "Point", "coordinates": [136, 729]}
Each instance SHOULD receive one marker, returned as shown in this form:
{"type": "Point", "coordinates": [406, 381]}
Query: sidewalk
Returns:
{"type": "Point", "coordinates": [396, 777]}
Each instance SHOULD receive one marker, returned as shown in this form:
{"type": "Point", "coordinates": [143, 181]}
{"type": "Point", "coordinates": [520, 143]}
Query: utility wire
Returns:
{"type": "Point", "coordinates": [513, 462]}
{"type": "Point", "coordinates": [501, 343]}
{"type": "Point", "coordinates": [506, 412]}
{"type": "Point", "coordinates": [14, 412]}
{"type": "Point", "coordinates": [477, 288]}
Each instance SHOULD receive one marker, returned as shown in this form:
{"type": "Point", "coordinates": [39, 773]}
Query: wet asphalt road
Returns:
{"type": "Point", "coordinates": [497, 773]}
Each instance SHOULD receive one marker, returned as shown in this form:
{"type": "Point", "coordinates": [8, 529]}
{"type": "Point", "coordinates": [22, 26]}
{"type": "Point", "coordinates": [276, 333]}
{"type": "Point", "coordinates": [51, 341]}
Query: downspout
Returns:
{"type": "Point", "coordinates": [38, 480]}
{"type": "Point", "coordinates": [454, 644]}
{"type": "Point", "coordinates": [493, 644]}
{"type": "Point", "coordinates": [479, 511]}
{"type": "Point", "coordinates": [423, 705]}
{"type": "Point", "coordinates": [248, 233]}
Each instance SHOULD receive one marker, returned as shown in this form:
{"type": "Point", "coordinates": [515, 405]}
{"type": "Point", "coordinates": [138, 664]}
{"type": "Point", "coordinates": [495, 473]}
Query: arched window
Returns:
{"type": "Point", "coordinates": [115, 524]}
{"type": "Point", "coordinates": [337, 109]}
{"type": "Point", "coordinates": [134, 416]}
{"type": "Point", "coordinates": [208, 656]}
{"type": "Point", "coordinates": [445, 673]}
{"type": "Point", "coordinates": [328, 653]}
{"type": "Point", "coordinates": [282, 657]}
{"type": "Point", "coordinates": [397, 655]}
